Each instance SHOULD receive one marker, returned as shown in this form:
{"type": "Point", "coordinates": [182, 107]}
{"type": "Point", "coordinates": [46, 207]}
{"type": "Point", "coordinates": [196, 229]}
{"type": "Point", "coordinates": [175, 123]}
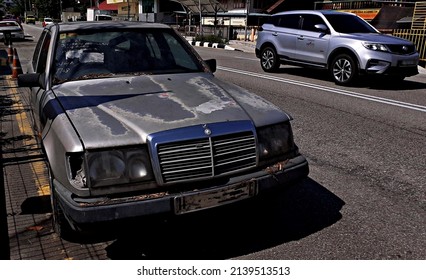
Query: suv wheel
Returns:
{"type": "Point", "coordinates": [269, 60]}
{"type": "Point", "coordinates": [344, 69]}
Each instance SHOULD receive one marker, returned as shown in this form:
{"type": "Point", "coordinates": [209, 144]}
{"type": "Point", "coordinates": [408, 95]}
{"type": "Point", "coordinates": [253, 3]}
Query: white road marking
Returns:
{"type": "Point", "coordinates": [329, 89]}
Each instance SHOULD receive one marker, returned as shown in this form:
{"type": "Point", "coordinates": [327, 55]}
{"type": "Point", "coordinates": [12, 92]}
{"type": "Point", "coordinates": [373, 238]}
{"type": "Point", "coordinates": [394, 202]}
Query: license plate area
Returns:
{"type": "Point", "coordinates": [212, 198]}
{"type": "Point", "coordinates": [407, 63]}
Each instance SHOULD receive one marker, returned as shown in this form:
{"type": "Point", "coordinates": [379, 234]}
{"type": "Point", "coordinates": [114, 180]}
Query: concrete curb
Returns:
{"type": "Point", "coordinates": [212, 45]}
{"type": "Point", "coordinates": [422, 70]}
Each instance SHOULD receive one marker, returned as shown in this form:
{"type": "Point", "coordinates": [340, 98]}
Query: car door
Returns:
{"type": "Point", "coordinates": [38, 65]}
{"type": "Point", "coordinates": [312, 42]}
{"type": "Point", "coordinates": [285, 32]}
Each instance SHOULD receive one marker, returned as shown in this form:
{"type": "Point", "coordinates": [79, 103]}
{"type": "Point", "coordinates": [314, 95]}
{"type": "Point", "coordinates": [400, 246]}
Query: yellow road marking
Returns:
{"type": "Point", "coordinates": [41, 181]}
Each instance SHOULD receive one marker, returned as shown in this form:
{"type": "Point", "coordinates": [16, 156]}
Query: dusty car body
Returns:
{"type": "Point", "coordinates": [134, 123]}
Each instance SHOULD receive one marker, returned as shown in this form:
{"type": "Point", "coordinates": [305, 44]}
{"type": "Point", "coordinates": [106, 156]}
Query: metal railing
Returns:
{"type": "Point", "coordinates": [360, 4]}
{"type": "Point", "coordinates": [419, 16]}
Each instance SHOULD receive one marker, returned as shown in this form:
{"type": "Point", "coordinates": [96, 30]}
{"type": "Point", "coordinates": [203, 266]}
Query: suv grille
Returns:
{"type": "Point", "coordinates": [206, 158]}
{"type": "Point", "coordinates": [402, 49]}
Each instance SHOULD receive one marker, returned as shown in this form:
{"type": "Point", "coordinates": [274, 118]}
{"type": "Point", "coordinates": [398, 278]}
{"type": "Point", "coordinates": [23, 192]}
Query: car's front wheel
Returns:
{"type": "Point", "coordinates": [344, 69]}
{"type": "Point", "coordinates": [59, 222]}
{"type": "Point", "coordinates": [269, 60]}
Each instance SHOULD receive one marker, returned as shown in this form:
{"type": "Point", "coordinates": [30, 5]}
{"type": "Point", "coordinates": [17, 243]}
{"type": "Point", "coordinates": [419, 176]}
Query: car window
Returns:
{"type": "Point", "coordinates": [290, 21]}
{"type": "Point", "coordinates": [309, 22]}
{"type": "Point", "coordinates": [106, 53]}
{"type": "Point", "coordinates": [346, 23]}
{"type": "Point", "coordinates": [40, 53]}
{"type": "Point", "coordinates": [8, 23]}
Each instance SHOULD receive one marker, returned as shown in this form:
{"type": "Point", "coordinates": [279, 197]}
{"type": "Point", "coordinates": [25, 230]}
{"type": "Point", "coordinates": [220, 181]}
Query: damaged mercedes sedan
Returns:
{"type": "Point", "coordinates": [134, 123]}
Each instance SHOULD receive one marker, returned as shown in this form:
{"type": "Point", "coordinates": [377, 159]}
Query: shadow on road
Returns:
{"type": "Point", "coordinates": [222, 233]}
{"type": "Point", "coordinates": [235, 230]}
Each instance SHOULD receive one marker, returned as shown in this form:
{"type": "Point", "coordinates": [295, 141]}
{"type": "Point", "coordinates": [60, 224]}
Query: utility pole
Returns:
{"type": "Point", "coordinates": [201, 18]}
{"type": "Point", "coordinates": [128, 10]}
{"type": "Point", "coordinates": [247, 17]}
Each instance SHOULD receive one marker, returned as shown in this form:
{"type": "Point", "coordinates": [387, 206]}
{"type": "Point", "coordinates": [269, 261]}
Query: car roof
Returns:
{"type": "Point", "coordinates": [314, 12]}
{"type": "Point", "coordinates": [81, 25]}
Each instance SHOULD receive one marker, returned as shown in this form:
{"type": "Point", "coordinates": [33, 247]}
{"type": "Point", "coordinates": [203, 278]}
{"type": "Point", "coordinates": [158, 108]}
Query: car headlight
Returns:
{"type": "Point", "coordinates": [118, 167]}
{"type": "Point", "coordinates": [275, 140]}
{"type": "Point", "coordinates": [376, 47]}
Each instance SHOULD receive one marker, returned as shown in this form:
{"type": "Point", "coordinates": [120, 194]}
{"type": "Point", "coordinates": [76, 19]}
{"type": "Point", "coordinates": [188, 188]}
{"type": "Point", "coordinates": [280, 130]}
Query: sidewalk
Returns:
{"type": "Point", "coordinates": [236, 45]}
{"type": "Point", "coordinates": [245, 46]}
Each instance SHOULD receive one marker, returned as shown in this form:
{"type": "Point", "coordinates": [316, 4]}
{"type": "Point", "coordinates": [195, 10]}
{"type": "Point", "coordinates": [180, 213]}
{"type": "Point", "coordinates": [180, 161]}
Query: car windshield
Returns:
{"type": "Point", "coordinates": [106, 53]}
{"type": "Point", "coordinates": [345, 23]}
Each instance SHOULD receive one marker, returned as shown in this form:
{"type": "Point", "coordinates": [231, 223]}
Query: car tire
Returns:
{"type": "Point", "coordinates": [269, 59]}
{"type": "Point", "coordinates": [59, 222]}
{"type": "Point", "coordinates": [344, 69]}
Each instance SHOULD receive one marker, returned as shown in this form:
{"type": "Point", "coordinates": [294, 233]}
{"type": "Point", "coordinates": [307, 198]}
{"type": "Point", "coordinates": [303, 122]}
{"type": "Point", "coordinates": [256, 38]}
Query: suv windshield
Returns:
{"type": "Point", "coordinates": [87, 55]}
{"type": "Point", "coordinates": [344, 23]}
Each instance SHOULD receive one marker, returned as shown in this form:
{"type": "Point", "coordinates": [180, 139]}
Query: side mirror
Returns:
{"type": "Point", "coordinates": [211, 63]}
{"type": "Point", "coordinates": [321, 27]}
{"type": "Point", "coordinates": [31, 80]}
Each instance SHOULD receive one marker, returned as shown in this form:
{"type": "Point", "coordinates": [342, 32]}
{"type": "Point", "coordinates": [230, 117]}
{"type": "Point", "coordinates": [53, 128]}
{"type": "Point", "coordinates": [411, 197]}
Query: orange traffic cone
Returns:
{"type": "Point", "coordinates": [10, 54]}
{"type": "Point", "coordinates": [16, 67]}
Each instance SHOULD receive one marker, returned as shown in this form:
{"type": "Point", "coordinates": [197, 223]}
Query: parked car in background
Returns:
{"type": "Point", "coordinates": [30, 19]}
{"type": "Point", "coordinates": [12, 26]}
{"type": "Point", "coordinates": [342, 43]}
{"type": "Point", "coordinates": [102, 17]}
{"type": "Point", "coordinates": [47, 21]}
{"type": "Point", "coordinates": [134, 123]}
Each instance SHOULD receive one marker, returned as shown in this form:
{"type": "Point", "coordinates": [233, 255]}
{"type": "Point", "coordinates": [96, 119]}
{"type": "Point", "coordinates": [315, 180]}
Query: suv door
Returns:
{"type": "Point", "coordinates": [312, 43]}
{"type": "Point", "coordinates": [286, 31]}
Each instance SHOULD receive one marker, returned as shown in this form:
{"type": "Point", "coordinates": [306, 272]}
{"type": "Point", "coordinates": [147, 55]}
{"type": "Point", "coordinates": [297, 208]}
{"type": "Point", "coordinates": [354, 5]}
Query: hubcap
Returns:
{"type": "Point", "coordinates": [342, 70]}
{"type": "Point", "coordinates": [268, 59]}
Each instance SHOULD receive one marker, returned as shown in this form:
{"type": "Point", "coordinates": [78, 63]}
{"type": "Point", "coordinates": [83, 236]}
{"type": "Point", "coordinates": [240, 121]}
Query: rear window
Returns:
{"type": "Point", "coordinates": [8, 23]}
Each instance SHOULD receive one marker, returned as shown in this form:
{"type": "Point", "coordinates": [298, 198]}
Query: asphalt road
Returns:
{"type": "Point", "coordinates": [365, 197]}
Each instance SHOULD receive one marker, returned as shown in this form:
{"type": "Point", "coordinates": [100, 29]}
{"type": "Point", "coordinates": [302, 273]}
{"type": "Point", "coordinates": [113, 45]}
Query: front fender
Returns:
{"type": "Point", "coordinates": [59, 141]}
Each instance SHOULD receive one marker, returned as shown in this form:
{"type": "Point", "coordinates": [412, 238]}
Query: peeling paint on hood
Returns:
{"type": "Point", "coordinates": [124, 110]}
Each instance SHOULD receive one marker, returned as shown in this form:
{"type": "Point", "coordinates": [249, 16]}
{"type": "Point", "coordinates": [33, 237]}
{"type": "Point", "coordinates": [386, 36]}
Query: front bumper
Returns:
{"type": "Point", "coordinates": [86, 210]}
{"type": "Point", "coordinates": [390, 64]}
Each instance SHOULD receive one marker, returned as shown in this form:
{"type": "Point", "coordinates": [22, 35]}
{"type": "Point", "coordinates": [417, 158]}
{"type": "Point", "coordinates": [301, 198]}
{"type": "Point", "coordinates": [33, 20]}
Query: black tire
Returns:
{"type": "Point", "coordinates": [344, 69]}
{"type": "Point", "coordinates": [59, 222]}
{"type": "Point", "coordinates": [269, 59]}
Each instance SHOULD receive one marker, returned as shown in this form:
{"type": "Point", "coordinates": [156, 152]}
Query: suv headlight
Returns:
{"type": "Point", "coordinates": [376, 47]}
{"type": "Point", "coordinates": [118, 167]}
{"type": "Point", "coordinates": [275, 140]}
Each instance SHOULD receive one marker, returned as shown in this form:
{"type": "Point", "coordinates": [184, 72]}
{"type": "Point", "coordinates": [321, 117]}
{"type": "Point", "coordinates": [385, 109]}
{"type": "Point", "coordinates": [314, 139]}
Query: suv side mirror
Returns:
{"type": "Point", "coordinates": [321, 27]}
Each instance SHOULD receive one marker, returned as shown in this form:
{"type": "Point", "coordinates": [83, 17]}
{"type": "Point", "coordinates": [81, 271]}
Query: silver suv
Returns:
{"type": "Point", "coordinates": [343, 43]}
